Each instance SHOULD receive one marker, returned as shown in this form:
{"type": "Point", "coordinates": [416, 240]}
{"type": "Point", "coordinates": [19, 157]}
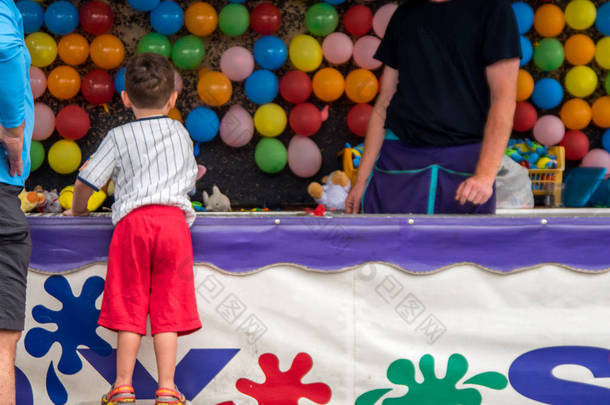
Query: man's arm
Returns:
{"type": "Point", "coordinates": [80, 198]}
{"type": "Point", "coordinates": [374, 139]}
{"type": "Point", "coordinates": [502, 79]}
{"type": "Point", "coordinates": [12, 141]}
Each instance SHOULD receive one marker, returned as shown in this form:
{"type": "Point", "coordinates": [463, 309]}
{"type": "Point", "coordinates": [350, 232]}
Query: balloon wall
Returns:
{"type": "Point", "coordinates": [272, 90]}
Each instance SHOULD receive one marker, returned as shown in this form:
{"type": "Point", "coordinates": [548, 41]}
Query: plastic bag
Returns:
{"type": "Point", "coordinates": [513, 186]}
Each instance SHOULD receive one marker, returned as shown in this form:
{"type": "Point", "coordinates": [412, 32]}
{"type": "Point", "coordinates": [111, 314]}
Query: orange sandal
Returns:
{"type": "Point", "coordinates": [123, 394]}
{"type": "Point", "coordinates": [167, 396]}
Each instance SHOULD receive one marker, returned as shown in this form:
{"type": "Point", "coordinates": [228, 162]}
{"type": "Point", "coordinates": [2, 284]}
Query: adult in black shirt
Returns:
{"type": "Point", "coordinates": [449, 82]}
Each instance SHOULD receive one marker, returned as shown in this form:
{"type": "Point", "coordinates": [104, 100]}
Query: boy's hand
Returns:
{"type": "Point", "coordinates": [71, 213]}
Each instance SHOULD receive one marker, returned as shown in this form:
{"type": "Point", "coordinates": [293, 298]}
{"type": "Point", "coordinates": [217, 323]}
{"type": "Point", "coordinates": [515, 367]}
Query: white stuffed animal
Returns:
{"type": "Point", "coordinates": [333, 193]}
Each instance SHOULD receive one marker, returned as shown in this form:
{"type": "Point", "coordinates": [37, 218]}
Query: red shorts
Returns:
{"type": "Point", "coordinates": [150, 271]}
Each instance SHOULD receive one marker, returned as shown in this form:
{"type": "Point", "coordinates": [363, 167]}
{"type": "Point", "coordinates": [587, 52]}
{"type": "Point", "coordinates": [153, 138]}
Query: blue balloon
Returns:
{"type": "Point", "coordinates": [334, 2]}
{"type": "Point", "coordinates": [527, 50]}
{"type": "Point", "coordinates": [606, 140]}
{"type": "Point", "coordinates": [548, 94]}
{"type": "Point", "coordinates": [602, 21]}
{"type": "Point", "coordinates": [119, 81]}
{"type": "Point", "coordinates": [202, 124]}
{"type": "Point", "coordinates": [61, 17]}
{"type": "Point", "coordinates": [270, 52]}
{"type": "Point", "coordinates": [167, 18]}
{"type": "Point", "coordinates": [262, 87]}
{"type": "Point", "coordinates": [525, 16]}
{"type": "Point", "coordinates": [32, 15]}
{"type": "Point", "coordinates": [143, 5]}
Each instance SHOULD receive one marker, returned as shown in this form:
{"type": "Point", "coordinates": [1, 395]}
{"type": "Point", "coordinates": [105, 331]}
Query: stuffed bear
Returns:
{"type": "Point", "coordinates": [334, 191]}
{"type": "Point", "coordinates": [217, 202]}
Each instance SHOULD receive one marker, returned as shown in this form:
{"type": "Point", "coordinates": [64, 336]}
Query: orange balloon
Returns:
{"type": "Point", "coordinates": [107, 51]}
{"type": "Point", "coordinates": [73, 49]}
{"type": "Point", "coordinates": [525, 85]}
{"type": "Point", "coordinates": [576, 114]}
{"type": "Point", "coordinates": [328, 84]}
{"type": "Point", "coordinates": [361, 86]}
{"type": "Point", "coordinates": [601, 112]}
{"type": "Point", "coordinates": [549, 20]}
{"type": "Point", "coordinates": [174, 114]}
{"type": "Point", "coordinates": [63, 82]}
{"type": "Point", "coordinates": [214, 88]}
{"type": "Point", "coordinates": [579, 49]}
{"type": "Point", "coordinates": [202, 72]}
{"type": "Point", "coordinates": [200, 19]}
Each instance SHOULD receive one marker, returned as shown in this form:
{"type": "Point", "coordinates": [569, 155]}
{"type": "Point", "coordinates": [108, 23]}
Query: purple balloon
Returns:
{"type": "Point", "coordinates": [549, 130]}
{"type": "Point", "coordinates": [304, 156]}
{"type": "Point", "coordinates": [382, 17]}
{"type": "Point", "coordinates": [597, 158]}
{"type": "Point", "coordinates": [338, 48]}
{"type": "Point", "coordinates": [237, 63]}
{"type": "Point", "coordinates": [236, 127]}
{"type": "Point", "coordinates": [38, 82]}
{"type": "Point", "coordinates": [364, 52]}
{"type": "Point", "coordinates": [44, 122]}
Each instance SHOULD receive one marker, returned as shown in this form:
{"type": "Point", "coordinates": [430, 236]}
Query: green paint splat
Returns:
{"type": "Point", "coordinates": [434, 390]}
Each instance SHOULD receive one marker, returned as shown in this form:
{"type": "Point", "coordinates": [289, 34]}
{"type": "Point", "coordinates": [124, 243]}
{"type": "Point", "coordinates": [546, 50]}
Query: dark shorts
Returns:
{"type": "Point", "coordinates": [410, 180]}
{"type": "Point", "coordinates": [15, 250]}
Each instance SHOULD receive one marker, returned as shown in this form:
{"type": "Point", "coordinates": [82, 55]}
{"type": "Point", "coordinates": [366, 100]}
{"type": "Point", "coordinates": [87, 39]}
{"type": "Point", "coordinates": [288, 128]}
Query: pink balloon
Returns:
{"type": "Point", "coordinates": [304, 156]}
{"type": "Point", "coordinates": [237, 63]}
{"type": "Point", "coordinates": [549, 130]}
{"type": "Point", "coordinates": [178, 83]}
{"type": "Point", "coordinates": [236, 127]}
{"type": "Point", "coordinates": [597, 158]}
{"type": "Point", "coordinates": [382, 18]}
{"type": "Point", "coordinates": [364, 52]}
{"type": "Point", "coordinates": [38, 82]}
{"type": "Point", "coordinates": [337, 48]}
{"type": "Point", "coordinates": [44, 122]}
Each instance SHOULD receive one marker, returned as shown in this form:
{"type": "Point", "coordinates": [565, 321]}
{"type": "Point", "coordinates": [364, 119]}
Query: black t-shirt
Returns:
{"type": "Point", "coordinates": [441, 50]}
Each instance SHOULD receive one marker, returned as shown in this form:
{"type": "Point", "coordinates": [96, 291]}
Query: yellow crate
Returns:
{"type": "Point", "coordinates": [545, 180]}
{"type": "Point", "coordinates": [348, 164]}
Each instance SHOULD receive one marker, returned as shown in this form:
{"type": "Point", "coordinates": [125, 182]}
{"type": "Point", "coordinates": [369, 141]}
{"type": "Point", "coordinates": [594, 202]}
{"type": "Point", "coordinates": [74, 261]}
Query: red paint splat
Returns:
{"type": "Point", "coordinates": [284, 388]}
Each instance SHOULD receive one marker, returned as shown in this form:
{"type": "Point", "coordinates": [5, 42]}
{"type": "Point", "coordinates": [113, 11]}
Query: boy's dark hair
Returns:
{"type": "Point", "coordinates": [149, 80]}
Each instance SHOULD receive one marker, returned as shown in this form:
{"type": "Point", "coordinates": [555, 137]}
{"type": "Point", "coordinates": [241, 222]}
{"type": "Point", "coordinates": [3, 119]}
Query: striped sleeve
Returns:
{"type": "Point", "coordinates": [98, 169]}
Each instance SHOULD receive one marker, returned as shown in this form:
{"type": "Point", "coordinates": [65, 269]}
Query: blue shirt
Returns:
{"type": "Point", "coordinates": [16, 100]}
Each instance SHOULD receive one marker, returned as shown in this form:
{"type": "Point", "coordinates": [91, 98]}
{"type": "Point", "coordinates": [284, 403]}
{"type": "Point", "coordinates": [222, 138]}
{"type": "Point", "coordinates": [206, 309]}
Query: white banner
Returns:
{"type": "Point", "coordinates": [533, 337]}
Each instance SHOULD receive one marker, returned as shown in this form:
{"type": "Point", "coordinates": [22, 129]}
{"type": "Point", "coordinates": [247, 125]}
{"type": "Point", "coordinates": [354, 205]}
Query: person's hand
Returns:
{"type": "Point", "coordinates": [71, 213]}
{"type": "Point", "coordinates": [352, 202]}
{"type": "Point", "coordinates": [12, 141]}
{"type": "Point", "coordinates": [476, 190]}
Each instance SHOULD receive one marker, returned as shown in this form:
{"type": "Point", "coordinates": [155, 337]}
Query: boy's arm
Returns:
{"type": "Point", "coordinates": [81, 195]}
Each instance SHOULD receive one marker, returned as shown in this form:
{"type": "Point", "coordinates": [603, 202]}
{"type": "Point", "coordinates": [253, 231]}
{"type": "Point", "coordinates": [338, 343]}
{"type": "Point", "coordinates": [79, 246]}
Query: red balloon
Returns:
{"type": "Point", "coordinates": [97, 87]}
{"type": "Point", "coordinates": [525, 117]}
{"type": "Point", "coordinates": [305, 119]}
{"type": "Point", "coordinates": [265, 19]}
{"type": "Point", "coordinates": [295, 87]}
{"type": "Point", "coordinates": [96, 17]}
{"type": "Point", "coordinates": [576, 145]}
{"type": "Point", "coordinates": [72, 122]}
{"type": "Point", "coordinates": [358, 20]}
{"type": "Point", "coordinates": [358, 118]}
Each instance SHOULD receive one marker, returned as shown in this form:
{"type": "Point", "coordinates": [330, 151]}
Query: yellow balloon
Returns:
{"type": "Point", "coordinates": [270, 120]}
{"type": "Point", "coordinates": [42, 47]}
{"type": "Point", "coordinates": [64, 156]}
{"type": "Point", "coordinates": [580, 14]}
{"type": "Point", "coordinates": [602, 53]}
{"type": "Point", "coordinates": [305, 53]}
{"type": "Point", "coordinates": [581, 81]}
{"type": "Point", "coordinates": [95, 201]}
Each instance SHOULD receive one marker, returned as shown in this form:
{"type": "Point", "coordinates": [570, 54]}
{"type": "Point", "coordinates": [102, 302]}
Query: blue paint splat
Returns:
{"type": "Point", "coordinates": [199, 367]}
{"type": "Point", "coordinates": [25, 396]}
{"type": "Point", "coordinates": [55, 388]}
{"type": "Point", "coordinates": [143, 383]}
{"type": "Point", "coordinates": [76, 323]}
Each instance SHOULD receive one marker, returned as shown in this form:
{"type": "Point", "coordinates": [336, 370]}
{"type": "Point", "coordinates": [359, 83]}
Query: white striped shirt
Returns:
{"type": "Point", "coordinates": [150, 161]}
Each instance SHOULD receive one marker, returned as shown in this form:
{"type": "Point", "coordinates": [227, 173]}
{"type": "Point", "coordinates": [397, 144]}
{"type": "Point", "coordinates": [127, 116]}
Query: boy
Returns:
{"type": "Point", "coordinates": [150, 261]}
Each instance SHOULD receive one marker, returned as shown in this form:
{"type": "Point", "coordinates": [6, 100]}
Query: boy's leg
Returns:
{"type": "Point", "coordinates": [165, 351]}
{"type": "Point", "coordinates": [8, 345]}
{"type": "Point", "coordinates": [128, 344]}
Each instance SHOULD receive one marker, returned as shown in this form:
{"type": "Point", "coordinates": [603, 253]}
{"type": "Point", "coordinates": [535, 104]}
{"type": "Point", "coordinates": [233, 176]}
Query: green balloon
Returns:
{"type": "Point", "coordinates": [234, 19]}
{"type": "Point", "coordinates": [188, 52]}
{"type": "Point", "coordinates": [321, 19]}
{"type": "Point", "coordinates": [270, 155]}
{"type": "Point", "coordinates": [607, 84]}
{"type": "Point", "coordinates": [155, 43]}
{"type": "Point", "coordinates": [36, 155]}
{"type": "Point", "coordinates": [549, 55]}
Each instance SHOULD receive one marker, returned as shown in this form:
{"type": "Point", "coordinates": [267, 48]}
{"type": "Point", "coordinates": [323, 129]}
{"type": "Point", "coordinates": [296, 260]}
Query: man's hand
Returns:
{"type": "Point", "coordinates": [476, 189]}
{"type": "Point", "coordinates": [71, 213]}
{"type": "Point", "coordinates": [352, 202]}
{"type": "Point", "coordinates": [12, 141]}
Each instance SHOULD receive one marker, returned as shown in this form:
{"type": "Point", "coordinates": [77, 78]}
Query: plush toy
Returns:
{"type": "Point", "coordinates": [334, 191]}
{"type": "Point", "coordinates": [95, 201]}
{"type": "Point", "coordinates": [30, 200]}
{"type": "Point", "coordinates": [50, 205]}
{"type": "Point", "coordinates": [217, 202]}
